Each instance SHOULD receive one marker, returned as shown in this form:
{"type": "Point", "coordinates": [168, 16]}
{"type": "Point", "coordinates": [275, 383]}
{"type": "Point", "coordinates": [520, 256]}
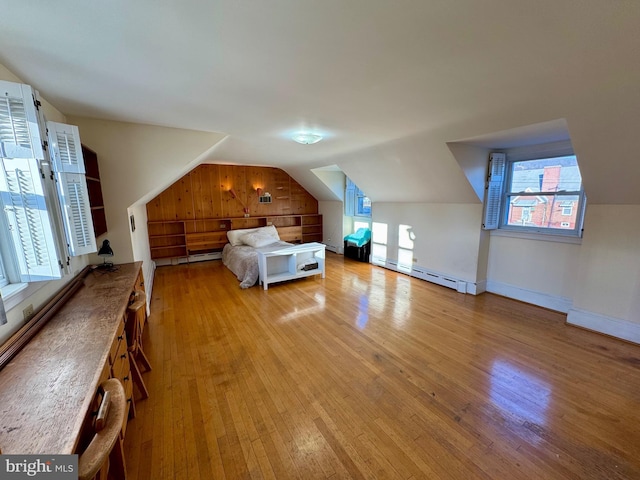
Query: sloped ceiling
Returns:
{"type": "Point", "coordinates": [389, 84]}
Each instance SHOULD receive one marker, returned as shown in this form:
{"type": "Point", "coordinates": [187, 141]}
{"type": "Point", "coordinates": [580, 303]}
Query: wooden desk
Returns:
{"type": "Point", "coordinates": [47, 389]}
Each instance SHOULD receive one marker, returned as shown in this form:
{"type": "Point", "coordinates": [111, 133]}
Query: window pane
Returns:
{"type": "Point", "coordinates": [543, 211]}
{"type": "Point", "coordinates": [546, 175]}
{"type": "Point", "coordinates": [364, 207]}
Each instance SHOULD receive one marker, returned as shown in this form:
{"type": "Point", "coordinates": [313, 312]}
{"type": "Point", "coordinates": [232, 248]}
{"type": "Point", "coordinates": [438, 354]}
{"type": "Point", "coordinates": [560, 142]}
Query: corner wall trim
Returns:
{"type": "Point", "coordinates": [481, 287]}
{"type": "Point", "coordinates": [552, 302]}
{"type": "Point", "coordinates": [615, 327]}
{"type": "Point", "coordinates": [149, 277]}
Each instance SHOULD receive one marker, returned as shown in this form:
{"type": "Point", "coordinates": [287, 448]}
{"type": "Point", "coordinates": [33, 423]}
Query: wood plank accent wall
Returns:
{"type": "Point", "coordinates": [203, 193]}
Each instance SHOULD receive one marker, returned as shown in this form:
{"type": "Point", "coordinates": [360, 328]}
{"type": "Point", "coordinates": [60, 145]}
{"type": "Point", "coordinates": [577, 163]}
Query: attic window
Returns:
{"type": "Point", "coordinates": [357, 203]}
{"type": "Point", "coordinates": [535, 195]}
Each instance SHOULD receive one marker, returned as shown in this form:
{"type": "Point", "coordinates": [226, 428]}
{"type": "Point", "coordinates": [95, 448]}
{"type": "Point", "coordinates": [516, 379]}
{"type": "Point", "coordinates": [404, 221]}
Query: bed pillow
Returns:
{"type": "Point", "coordinates": [271, 231]}
{"type": "Point", "coordinates": [235, 236]}
{"type": "Point", "coordinates": [258, 239]}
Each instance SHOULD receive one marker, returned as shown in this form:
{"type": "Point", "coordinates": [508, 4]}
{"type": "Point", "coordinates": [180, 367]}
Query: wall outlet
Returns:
{"type": "Point", "coordinates": [27, 313]}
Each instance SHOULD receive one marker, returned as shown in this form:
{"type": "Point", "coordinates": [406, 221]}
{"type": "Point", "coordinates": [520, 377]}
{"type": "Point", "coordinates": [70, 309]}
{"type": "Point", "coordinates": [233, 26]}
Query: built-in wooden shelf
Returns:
{"type": "Point", "coordinates": [194, 214]}
{"type": "Point", "coordinates": [181, 238]}
{"type": "Point", "coordinates": [95, 191]}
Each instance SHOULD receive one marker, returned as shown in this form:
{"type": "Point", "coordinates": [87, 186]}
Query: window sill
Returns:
{"type": "Point", "coordinates": [15, 293]}
{"type": "Point", "coordinates": [541, 237]}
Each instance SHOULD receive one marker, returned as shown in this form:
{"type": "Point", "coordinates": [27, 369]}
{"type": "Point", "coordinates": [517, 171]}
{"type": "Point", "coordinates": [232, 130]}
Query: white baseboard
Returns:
{"type": "Point", "coordinates": [200, 257]}
{"type": "Point", "coordinates": [481, 287]}
{"type": "Point", "coordinates": [334, 248]}
{"type": "Point", "coordinates": [422, 273]}
{"type": "Point", "coordinates": [615, 327]}
{"type": "Point", "coordinates": [552, 302]}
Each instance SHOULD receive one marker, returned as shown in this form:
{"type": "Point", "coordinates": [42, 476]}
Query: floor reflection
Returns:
{"type": "Point", "coordinates": [316, 308]}
{"type": "Point", "coordinates": [533, 397]}
{"type": "Point", "coordinates": [402, 301]}
{"type": "Point", "coordinates": [373, 303]}
{"type": "Point", "coordinates": [363, 312]}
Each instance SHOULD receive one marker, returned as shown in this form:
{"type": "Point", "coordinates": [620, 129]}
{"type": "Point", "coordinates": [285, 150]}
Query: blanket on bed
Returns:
{"type": "Point", "coordinates": [242, 260]}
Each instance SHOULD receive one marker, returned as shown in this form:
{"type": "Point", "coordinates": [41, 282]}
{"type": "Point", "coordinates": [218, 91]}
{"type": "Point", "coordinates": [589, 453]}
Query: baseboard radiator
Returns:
{"type": "Point", "coordinates": [461, 286]}
{"type": "Point", "coordinates": [200, 257]}
{"type": "Point", "coordinates": [333, 248]}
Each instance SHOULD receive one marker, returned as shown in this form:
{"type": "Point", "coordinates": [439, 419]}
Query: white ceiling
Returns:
{"type": "Point", "coordinates": [388, 83]}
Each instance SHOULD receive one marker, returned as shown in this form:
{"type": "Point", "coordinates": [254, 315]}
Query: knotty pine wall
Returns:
{"type": "Point", "coordinates": [204, 193]}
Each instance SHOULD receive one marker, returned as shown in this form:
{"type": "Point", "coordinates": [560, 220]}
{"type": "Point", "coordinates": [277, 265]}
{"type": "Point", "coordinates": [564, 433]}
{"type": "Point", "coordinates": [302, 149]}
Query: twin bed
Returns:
{"type": "Point", "coordinates": [240, 255]}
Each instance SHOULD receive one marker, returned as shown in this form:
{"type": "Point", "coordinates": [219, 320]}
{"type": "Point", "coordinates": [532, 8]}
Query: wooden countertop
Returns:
{"type": "Point", "coordinates": [46, 390]}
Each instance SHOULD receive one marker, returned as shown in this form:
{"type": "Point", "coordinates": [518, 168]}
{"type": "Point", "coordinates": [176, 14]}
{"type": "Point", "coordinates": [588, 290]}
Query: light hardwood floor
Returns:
{"type": "Point", "coordinates": [373, 374]}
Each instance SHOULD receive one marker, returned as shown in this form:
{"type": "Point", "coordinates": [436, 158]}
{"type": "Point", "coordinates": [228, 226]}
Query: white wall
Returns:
{"type": "Point", "coordinates": [334, 180]}
{"type": "Point", "coordinates": [447, 236]}
{"type": "Point", "coordinates": [332, 225]}
{"type": "Point", "coordinates": [607, 293]}
{"type": "Point", "coordinates": [609, 267]}
{"type": "Point", "coordinates": [140, 245]}
{"type": "Point", "coordinates": [540, 272]}
{"type": "Point", "coordinates": [473, 161]}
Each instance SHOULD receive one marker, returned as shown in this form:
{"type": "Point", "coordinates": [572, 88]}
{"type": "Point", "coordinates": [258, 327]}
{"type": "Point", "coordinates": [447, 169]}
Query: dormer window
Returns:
{"type": "Point", "coordinates": [535, 195]}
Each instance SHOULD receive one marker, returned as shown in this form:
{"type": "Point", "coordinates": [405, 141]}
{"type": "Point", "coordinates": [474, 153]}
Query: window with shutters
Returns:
{"type": "Point", "coordinates": [68, 165]}
{"type": "Point", "coordinates": [357, 203]}
{"type": "Point", "coordinates": [40, 190]}
{"type": "Point", "coordinates": [534, 195]}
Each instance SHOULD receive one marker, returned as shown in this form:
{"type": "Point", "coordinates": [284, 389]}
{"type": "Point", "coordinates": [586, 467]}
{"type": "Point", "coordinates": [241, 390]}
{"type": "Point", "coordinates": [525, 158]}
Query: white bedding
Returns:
{"type": "Point", "coordinates": [242, 260]}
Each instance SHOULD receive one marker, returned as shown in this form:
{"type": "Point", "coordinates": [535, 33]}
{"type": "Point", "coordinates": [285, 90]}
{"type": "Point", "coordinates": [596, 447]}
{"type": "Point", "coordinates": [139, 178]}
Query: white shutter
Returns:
{"type": "Point", "coordinates": [19, 132]}
{"type": "Point", "coordinates": [23, 198]}
{"type": "Point", "coordinates": [66, 153]}
{"type": "Point", "coordinates": [350, 199]}
{"type": "Point", "coordinates": [74, 199]}
{"type": "Point", "coordinates": [65, 148]}
{"type": "Point", "coordinates": [493, 191]}
{"type": "Point", "coordinates": [3, 277]}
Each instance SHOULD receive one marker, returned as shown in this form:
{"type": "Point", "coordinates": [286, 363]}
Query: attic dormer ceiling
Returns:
{"type": "Point", "coordinates": [389, 86]}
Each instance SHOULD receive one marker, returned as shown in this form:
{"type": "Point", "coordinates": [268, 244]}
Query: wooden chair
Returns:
{"type": "Point", "coordinates": [104, 457]}
{"type": "Point", "coordinates": [136, 319]}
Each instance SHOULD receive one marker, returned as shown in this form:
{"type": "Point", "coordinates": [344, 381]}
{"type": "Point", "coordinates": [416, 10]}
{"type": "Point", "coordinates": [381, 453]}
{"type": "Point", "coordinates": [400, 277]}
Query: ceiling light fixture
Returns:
{"type": "Point", "coordinates": [306, 138]}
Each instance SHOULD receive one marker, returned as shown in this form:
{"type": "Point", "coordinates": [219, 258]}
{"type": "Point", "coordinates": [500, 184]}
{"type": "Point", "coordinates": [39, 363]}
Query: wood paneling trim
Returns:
{"type": "Point", "coordinates": [203, 193]}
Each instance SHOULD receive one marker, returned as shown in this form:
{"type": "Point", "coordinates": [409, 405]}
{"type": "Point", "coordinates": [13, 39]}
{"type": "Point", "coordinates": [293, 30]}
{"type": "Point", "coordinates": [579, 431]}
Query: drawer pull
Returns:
{"type": "Point", "coordinates": [126, 379]}
{"type": "Point", "coordinates": [124, 355]}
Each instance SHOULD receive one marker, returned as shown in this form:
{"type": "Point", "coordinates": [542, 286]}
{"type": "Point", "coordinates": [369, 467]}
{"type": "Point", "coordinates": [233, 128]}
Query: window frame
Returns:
{"type": "Point", "coordinates": [358, 212]}
{"type": "Point", "coordinates": [352, 197]}
{"type": "Point", "coordinates": [497, 192]}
